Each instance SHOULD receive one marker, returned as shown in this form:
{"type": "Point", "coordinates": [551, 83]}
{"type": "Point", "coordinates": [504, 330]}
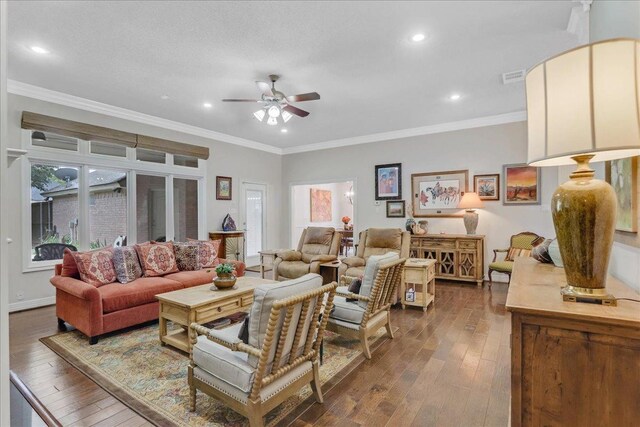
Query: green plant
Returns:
{"type": "Point", "coordinates": [225, 268]}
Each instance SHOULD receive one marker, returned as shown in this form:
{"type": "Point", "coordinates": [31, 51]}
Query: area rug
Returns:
{"type": "Point", "coordinates": [152, 380]}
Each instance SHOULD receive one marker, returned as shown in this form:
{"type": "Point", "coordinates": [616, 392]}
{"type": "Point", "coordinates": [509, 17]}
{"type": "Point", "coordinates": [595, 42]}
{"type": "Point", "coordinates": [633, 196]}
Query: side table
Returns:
{"type": "Point", "coordinates": [419, 275]}
{"type": "Point", "coordinates": [329, 272]}
{"type": "Point", "coordinates": [267, 258]}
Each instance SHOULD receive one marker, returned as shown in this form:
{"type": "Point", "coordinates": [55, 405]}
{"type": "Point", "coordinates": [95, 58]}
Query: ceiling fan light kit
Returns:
{"type": "Point", "coordinates": [276, 104]}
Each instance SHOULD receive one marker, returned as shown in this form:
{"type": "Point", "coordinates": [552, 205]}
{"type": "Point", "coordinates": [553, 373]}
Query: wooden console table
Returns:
{"type": "Point", "coordinates": [224, 237]}
{"type": "Point", "coordinates": [458, 256]}
{"type": "Point", "coordinates": [572, 364]}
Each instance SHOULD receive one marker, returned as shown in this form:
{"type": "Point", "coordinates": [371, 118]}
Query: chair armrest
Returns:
{"type": "Point", "coordinates": [324, 258]}
{"type": "Point", "coordinates": [216, 337]}
{"type": "Point", "coordinates": [76, 287]}
{"type": "Point", "coordinates": [495, 253]}
{"type": "Point", "coordinates": [346, 280]}
{"type": "Point", "coordinates": [351, 295]}
{"type": "Point", "coordinates": [290, 255]}
{"type": "Point", "coordinates": [353, 261]}
{"type": "Point", "coordinates": [239, 266]}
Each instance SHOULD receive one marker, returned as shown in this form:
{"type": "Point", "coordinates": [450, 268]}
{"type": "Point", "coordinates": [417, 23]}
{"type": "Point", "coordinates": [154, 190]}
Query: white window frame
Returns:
{"type": "Point", "coordinates": [84, 160]}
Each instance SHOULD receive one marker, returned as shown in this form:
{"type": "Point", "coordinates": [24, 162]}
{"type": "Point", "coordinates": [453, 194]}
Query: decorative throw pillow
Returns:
{"type": "Point", "coordinates": [157, 259]}
{"type": "Point", "coordinates": [126, 263]}
{"type": "Point", "coordinates": [208, 252]}
{"type": "Point", "coordinates": [187, 256]}
{"type": "Point", "coordinates": [541, 252]}
{"type": "Point", "coordinates": [516, 252]}
{"type": "Point", "coordinates": [243, 334]}
{"type": "Point", "coordinates": [354, 288]}
{"type": "Point", "coordinates": [69, 266]}
{"type": "Point", "coordinates": [96, 267]}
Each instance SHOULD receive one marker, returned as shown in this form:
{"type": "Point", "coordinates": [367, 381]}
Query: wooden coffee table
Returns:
{"type": "Point", "coordinates": [201, 305]}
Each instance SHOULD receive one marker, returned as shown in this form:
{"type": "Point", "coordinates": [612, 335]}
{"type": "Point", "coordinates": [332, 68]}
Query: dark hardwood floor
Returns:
{"type": "Point", "coordinates": [448, 367]}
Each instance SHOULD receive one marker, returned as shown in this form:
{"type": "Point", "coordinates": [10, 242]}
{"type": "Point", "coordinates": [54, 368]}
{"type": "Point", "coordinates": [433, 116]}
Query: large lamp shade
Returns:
{"type": "Point", "coordinates": [586, 100]}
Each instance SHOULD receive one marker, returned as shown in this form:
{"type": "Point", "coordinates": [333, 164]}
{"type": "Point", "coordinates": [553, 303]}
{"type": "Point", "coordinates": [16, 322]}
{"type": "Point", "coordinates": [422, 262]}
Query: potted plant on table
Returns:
{"type": "Point", "coordinates": [225, 276]}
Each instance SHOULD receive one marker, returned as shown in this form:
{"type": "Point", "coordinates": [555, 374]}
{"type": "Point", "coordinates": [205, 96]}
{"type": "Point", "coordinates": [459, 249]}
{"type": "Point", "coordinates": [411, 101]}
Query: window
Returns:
{"type": "Point", "coordinates": [151, 208]}
{"type": "Point", "coordinates": [106, 149]}
{"type": "Point", "coordinates": [107, 207]}
{"type": "Point", "coordinates": [50, 140]}
{"type": "Point", "coordinates": [189, 161]}
{"type": "Point", "coordinates": [144, 155]}
{"type": "Point", "coordinates": [185, 209]}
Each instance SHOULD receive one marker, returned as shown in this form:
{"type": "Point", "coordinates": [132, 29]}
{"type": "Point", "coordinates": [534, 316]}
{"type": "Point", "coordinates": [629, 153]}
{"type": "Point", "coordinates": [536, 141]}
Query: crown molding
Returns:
{"type": "Point", "coordinates": [37, 92]}
{"type": "Point", "coordinates": [499, 119]}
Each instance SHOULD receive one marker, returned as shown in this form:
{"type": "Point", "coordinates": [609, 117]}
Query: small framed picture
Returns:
{"type": "Point", "coordinates": [410, 296]}
{"type": "Point", "coordinates": [223, 188]}
{"type": "Point", "coordinates": [395, 209]}
{"type": "Point", "coordinates": [521, 185]}
{"type": "Point", "coordinates": [389, 181]}
{"type": "Point", "coordinates": [487, 186]}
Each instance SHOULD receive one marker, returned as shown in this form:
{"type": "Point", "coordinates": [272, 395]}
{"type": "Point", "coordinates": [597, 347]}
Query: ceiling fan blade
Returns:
{"type": "Point", "coordinates": [264, 88]}
{"type": "Point", "coordinates": [240, 100]}
{"type": "Point", "coordinates": [295, 110]}
{"type": "Point", "coordinates": [311, 96]}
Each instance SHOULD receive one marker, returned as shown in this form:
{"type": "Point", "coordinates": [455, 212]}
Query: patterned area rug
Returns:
{"type": "Point", "coordinates": [152, 380]}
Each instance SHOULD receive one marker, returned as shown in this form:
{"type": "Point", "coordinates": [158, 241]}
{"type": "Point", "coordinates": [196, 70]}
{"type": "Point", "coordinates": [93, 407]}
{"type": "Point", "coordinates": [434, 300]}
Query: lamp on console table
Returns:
{"type": "Point", "coordinates": [470, 202]}
{"type": "Point", "coordinates": [583, 105]}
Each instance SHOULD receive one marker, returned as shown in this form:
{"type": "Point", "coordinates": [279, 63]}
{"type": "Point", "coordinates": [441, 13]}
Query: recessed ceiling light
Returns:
{"type": "Point", "coordinates": [418, 37]}
{"type": "Point", "coordinates": [207, 105]}
{"type": "Point", "coordinates": [284, 130]}
{"type": "Point", "coordinates": [39, 49]}
{"type": "Point", "coordinates": [164, 97]}
{"type": "Point", "coordinates": [454, 97]}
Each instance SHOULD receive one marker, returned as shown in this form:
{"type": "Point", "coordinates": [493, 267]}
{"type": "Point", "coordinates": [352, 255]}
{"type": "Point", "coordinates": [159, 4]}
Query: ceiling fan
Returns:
{"type": "Point", "coordinates": [276, 104]}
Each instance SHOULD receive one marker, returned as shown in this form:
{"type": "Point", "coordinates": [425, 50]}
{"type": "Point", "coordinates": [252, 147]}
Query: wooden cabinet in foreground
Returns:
{"type": "Point", "coordinates": [572, 364]}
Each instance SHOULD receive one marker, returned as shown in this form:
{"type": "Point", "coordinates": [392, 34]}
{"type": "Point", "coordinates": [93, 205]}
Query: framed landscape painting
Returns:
{"type": "Point", "coordinates": [320, 205]}
{"type": "Point", "coordinates": [521, 185]}
{"type": "Point", "coordinates": [487, 186]}
{"type": "Point", "coordinates": [437, 194]}
{"type": "Point", "coordinates": [395, 209]}
{"type": "Point", "coordinates": [223, 188]}
{"type": "Point", "coordinates": [622, 174]}
{"type": "Point", "coordinates": [389, 181]}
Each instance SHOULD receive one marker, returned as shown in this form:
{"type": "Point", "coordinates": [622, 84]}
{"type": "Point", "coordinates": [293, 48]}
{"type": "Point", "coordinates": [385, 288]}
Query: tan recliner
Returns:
{"type": "Point", "coordinates": [375, 241]}
{"type": "Point", "coordinates": [317, 245]}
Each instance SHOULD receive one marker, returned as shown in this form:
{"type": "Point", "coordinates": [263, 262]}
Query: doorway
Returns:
{"type": "Point", "coordinates": [322, 205]}
{"type": "Point", "coordinates": [253, 214]}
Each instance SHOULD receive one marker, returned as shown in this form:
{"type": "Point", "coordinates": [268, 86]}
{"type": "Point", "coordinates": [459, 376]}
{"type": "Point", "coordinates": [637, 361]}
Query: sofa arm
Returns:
{"type": "Point", "coordinates": [239, 266]}
{"type": "Point", "coordinates": [77, 288]}
{"type": "Point", "coordinates": [324, 258]}
{"type": "Point", "coordinates": [353, 261]}
{"type": "Point", "coordinates": [290, 255]}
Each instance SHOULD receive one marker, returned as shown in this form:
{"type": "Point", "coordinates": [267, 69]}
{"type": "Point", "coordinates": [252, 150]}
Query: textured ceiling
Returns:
{"type": "Point", "coordinates": [357, 55]}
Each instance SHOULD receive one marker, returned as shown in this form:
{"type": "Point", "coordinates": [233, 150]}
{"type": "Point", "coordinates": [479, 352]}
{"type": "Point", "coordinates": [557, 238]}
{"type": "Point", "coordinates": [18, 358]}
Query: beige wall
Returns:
{"type": "Point", "coordinates": [243, 164]}
{"type": "Point", "coordinates": [480, 150]}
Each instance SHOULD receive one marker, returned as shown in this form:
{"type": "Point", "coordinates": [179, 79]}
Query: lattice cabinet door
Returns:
{"type": "Point", "coordinates": [467, 265]}
{"type": "Point", "coordinates": [447, 263]}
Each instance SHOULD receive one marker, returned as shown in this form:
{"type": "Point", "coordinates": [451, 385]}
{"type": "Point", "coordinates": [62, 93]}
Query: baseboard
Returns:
{"type": "Point", "coordinates": [32, 303]}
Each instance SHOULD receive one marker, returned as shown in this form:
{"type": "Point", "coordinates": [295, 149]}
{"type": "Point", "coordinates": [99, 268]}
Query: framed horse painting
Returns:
{"type": "Point", "coordinates": [437, 194]}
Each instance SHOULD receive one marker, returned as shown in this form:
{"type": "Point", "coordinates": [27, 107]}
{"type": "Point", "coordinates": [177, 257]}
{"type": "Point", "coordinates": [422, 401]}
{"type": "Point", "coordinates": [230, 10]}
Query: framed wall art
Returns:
{"type": "Point", "coordinates": [622, 174]}
{"type": "Point", "coordinates": [395, 209]}
{"type": "Point", "coordinates": [437, 194]}
{"type": "Point", "coordinates": [389, 181]}
{"type": "Point", "coordinates": [487, 186]}
{"type": "Point", "coordinates": [223, 188]}
{"type": "Point", "coordinates": [521, 185]}
{"type": "Point", "coordinates": [320, 205]}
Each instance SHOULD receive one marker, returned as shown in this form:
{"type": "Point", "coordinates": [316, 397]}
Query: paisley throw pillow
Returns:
{"type": "Point", "coordinates": [96, 267]}
{"type": "Point", "coordinates": [187, 256]}
{"type": "Point", "coordinates": [157, 259]}
{"type": "Point", "coordinates": [208, 252]}
{"type": "Point", "coordinates": [125, 261]}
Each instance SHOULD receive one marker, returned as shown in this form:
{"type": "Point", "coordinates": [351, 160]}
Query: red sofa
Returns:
{"type": "Point", "coordinates": [97, 310]}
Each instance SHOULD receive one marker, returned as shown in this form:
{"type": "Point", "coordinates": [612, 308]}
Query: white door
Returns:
{"type": "Point", "coordinates": [253, 211]}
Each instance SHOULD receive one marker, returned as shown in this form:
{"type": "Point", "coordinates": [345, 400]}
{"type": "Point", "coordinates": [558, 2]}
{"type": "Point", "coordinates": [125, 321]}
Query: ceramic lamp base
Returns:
{"type": "Point", "coordinates": [471, 221]}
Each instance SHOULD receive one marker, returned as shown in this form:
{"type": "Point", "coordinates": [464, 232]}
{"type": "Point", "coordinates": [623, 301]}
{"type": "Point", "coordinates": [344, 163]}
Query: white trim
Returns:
{"type": "Point", "coordinates": [518, 116]}
{"type": "Point", "coordinates": [31, 303]}
{"type": "Point", "coordinates": [36, 92]}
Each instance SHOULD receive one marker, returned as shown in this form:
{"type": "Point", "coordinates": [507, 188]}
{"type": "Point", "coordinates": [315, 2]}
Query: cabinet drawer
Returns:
{"type": "Point", "coordinates": [248, 300]}
{"type": "Point", "coordinates": [467, 244]}
{"type": "Point", "coordinates": [413, 275]}
{"type": "Point", "coordinates": [219, 307]}
{"type": "Point", "coordinates": [439, 243]}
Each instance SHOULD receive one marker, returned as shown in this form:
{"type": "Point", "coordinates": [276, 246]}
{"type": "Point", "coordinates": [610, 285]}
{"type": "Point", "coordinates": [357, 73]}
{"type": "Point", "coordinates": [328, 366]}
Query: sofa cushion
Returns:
{"type": "Point", "coordinates": [141, 291]}
{"type": "Point", "coordinates": [157, 258]}
{"type": "Point", "coordinates": [193, 278]}
{"type": "Point", "coordinates": [291, 269]}
{"type": "Point", "coordinates": [126, 263]}
{"type": "Point", "coordinates": [187, 256]}
{"type": "Point", "coordinates": [317, 241]}
{"type": "Point", "coordinates": [371, 271]}
{"type": "Point", "coordinates": [347, 311]}
{"type": "Point", "coordinates": [69, 266]}
{"type": "Point", "coordinates": [96, 267]}
{"type": "Point", "coordinates": [226, 365]}
{"type": "Point", "coordinates": [208, 252]}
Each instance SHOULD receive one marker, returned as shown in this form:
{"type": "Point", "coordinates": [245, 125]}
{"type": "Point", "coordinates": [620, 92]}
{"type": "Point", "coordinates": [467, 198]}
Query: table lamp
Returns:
{"type": "Point", "coordinates": [584, 105]}
{"type": "Point", "coordinates": [470, 202]}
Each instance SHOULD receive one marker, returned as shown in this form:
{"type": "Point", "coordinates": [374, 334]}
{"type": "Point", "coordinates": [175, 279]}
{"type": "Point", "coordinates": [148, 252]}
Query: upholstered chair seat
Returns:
{"type": "Point", "coordinates": [316, 246]}
{"type": "Point", "coordinates": [285, 328]}
{"type": "Point", "coordinates": [521, 245]}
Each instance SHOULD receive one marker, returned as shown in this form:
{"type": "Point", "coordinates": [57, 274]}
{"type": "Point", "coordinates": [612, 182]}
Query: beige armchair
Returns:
{"type": "Point", "coordinates": [375, 241]}
{"type": "Point", "coordinates": [316, 246]}
{"type": "Point", "coordinates": [286, 325]}
{"type": "Point", "coordinates": [372, 310]}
